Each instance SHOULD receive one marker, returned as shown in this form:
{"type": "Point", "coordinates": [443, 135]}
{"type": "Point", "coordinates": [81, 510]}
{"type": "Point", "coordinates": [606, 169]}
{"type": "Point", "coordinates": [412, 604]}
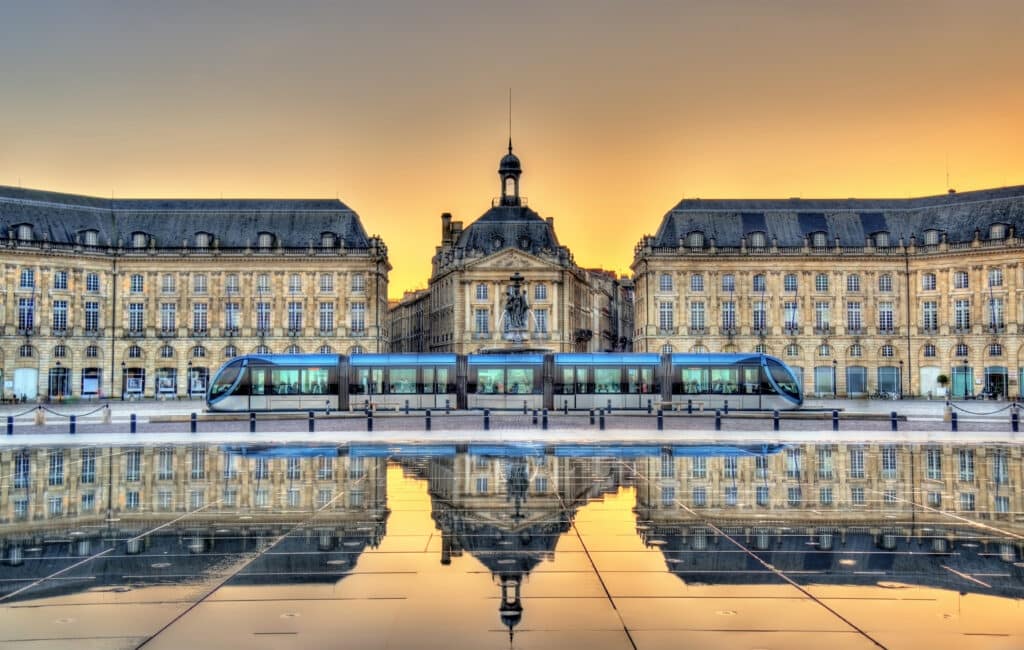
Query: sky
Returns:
{"type": "Point", "coordinates": [619, 109]}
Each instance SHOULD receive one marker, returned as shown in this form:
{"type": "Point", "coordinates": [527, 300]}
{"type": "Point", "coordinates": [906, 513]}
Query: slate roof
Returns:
{"type": "Point", "coordinates": [851, 220]}
{"type": "Point", "coordinates": [235, 222]}
{"type": "Point", "coordinates": [509, 227]}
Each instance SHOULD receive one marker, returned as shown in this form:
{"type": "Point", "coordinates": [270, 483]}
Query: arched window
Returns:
{"type": "Point", "coordinates": [203, 240]}
{"type": "Point", "coordinates": [261, 349]}
{"type": "Point", "coordinates": [92, 352]}
{"type": "Point", "coordinates": [91, 237]}
{"type": "Point", "coordinates": [824, 350]}
{"type": "Point", "coordinates": [139, 239]}
{"type": "Point", "coordinates": [665, 282]}
{"type": "Point", "coordinates": [26, 351]}
{"type": "Point", "coordinates": [931, 237]}
{"type": "Point", "coordinates": [134, 352]}
{"type": "Point", "coordinates": [760, 284]}
{"type": "Point", "coordinates": [699, 349]}
{"type": "Point", "coordinates": [166, 352]}
{"type": "Point", "coordinates": [695, 239]}
{"type": "Point", "coordinates": [761, 348]}
{"type": "Point", "coordinates": [327, 240]}
{"type": "Point", "coordinates": [853, 282]}
{"type": "Point", "coordinates": [997, 231]}
{"type": "Point", "coordinates": [293, 349]}
{"type": "Point", "coordinates": [881, 239]}
{"type": "Point", "coordinates": [856, 351]}
{"type": "Point", "coordinates": [819, 239]}
{"type": "Point", "coordinates": [929, 350]}
{"type": "Point", "coordinates": [264, 240]}
{"type": "Point", "coordinates": [792, 350]}
{"type": "Point", "coordinates": [60, 351]}
{"type": "Point", "coordinates": [885, 283]}
{"type": "Point", "coordinates": [325, 349]}
{"type": "Point", "coordinates": [995, 350]}
{"type": "Point", "coordinates": [24, 232]}
{"type": "Point", "coordinates": [198, 352]}
{"type": "Point", "coordinates": [758, 239]}
{"type": "Point", "coordinates": [230, 352]}
{"type": "Point", "coordinates": [887, 351]}
{"type": "Point", "coordinates": [356, 349]}
{"type": "Point", "coordinates": [666, 349]}
{"type": "Point", "coordinates": [961, 350]}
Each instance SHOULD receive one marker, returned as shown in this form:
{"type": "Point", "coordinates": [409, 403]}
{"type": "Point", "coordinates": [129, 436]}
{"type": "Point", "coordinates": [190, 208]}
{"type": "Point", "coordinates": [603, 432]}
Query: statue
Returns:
{"type": "Point", "coordinates": [516, 308]}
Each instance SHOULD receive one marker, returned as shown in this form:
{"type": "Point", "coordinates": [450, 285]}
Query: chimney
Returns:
{"type": "Point", "coordinates": [446, 225]}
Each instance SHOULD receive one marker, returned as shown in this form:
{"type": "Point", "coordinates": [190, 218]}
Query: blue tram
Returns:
{"type": "Point", "coordinates": [301, 382]}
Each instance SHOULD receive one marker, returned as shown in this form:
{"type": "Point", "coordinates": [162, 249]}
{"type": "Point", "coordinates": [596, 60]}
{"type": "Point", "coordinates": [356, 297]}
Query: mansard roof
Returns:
{"type": "Point", "coordinates": [788, 221]}
{"type": "Point", "coordinates": [509, 227]}
{"type": "Point", "coordinates": [235, 223]}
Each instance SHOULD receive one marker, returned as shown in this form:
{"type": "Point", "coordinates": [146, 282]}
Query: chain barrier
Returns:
{"type": "Point", "coordinates": [960, 408]}
{"type": "Point", "coordinates": [25, 412]}
{"type": "Point", "coordinates": [68, 415]}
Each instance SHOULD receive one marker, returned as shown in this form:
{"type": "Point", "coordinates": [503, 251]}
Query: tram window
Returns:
{"type": "Point", "coordinates": [368, 381]}
{"type": "Point", "coordinates": [225, 379]}
{"type": "Point", "coordinates": [724, 381]}
{"type": "Point", "coordinates": [608, 380]}
{"type": "Point", "coordinates": [641, 380]}
{"type": "Point", "coordinates": [782, 377]}
{"type": "Point", "coordinates": [695, 380]}
{"type": "Point", "coordinates": [316, 381]}
{"type": "Point", "coordinates": [751, 379]}
{"type": "Point", "coordinates": [520, 381]}
{"type": "Point", "coordinates": [285, 381]}
{"type": "Point", "coordinates": [259, 380]}
{"type": "Point", "coordinates": [402, 380]}
{"type": "Point", "coordinates": [442, 385]}
{"type": "Point", "coordinates": [566, 385]}
{"type": "Point", "coordinates": [490, 380]}
{"type": "Point", "coordinates": [582, 386]}
{"type": "Point", "coordinates": [428, 386]}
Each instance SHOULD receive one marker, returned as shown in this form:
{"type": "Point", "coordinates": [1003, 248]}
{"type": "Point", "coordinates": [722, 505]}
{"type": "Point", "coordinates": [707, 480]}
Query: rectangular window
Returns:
{"type": "Point", "coordinates": [481, 291]}
{"type": "Point", "coordinates": [88, 474]}
{"type": "Point", "coordinates": [133, 465]}
{"type": "Point", "coordinates": [60, 280]}
{"type": "Point", "coordinates": [165, 465]}
{"type": "Point", "coordinates": [92, 316]}
{"type": "Point", "coordinates": [136, 316]}
{"type": "Point", "coordinates": [131, 500]}
{"type": "Point", "coordinates": [761, 466]}
{"type": "Point", "coordinates": [261, 498]}
{"type": "Point", "coordinates": [935, 499]}
{"type": "Point", "coordinates": [231, 315]}
{"type": "Point", "coordinates": [294, 283]}
{"type": "Point", "coordinates": [996, 313]}
{"type": "Point", "coordinates": [231, 284]}
{"type": "Point", "coordinates": [27, 279]}
{"type": "Point", "coordinates": [88, 501]}
{"type": "Point", "coordinates": [55, 506]}
{"type": "Point", "coordinates": [825, 463]}
{"type": "Point", "coordinates": [136, 283]}
{"type": "Point", "coordinates": [56, 467]}
{"type": "Point", "coordinates": [668, 466]}
{"type": "Point", "coordinates": [793, 464]}
{"type": "Point", "coordinates": [92, 282]}
{"type": "Point", "coordinates": [263, 316]}
{"type": "Point", "coordinates": [196, 499]}
{"type": "Point", "coordinates": [358, 283]}
{"type": "Point", "coordinates": [889, 497]}
{"type": "Point", "coordinates": [540, 485]}
{"type": "Point", "coordinates": [481, 321]}
{"type": "Point", "coordinates": [962, 314]}
{"type": "Point", "coordinates": [729, 467]}
{"type": "Point", "coordinates": [294, 498]}
{"type": "Point", "coordinates": [700, 497]}
{"type": "Point", "coordinates": [1000, 467]}
{"type": "Point", "coordinates": [200, 311]}
{"type": "Point", "coordinates": [26, 313]}
{"type": "Point", "coordinates": [731, 495]}
{"type": "Point", "coordinates": [358, 318]}
{"type": "Point", "coordinates": [356, 468]}
{"type": "Point", "coordinates": [60, 315]}
{"type": "Point", "coordinates": [262, 283]}
{"type": "Point", "coordinates": [199, 283]}
{"type": "Point", "coordinates": [825, 496]}
{"type": "Point", "coordinates": [696, 282]}
{"type": "Point", "coordinates": [930, 315]}
{"type": "Point", "coordinates": [699, 468]}
{"type": "Point", "coordinates": [1002, 503]}
{"type": "Point", "coordinates": [481, 485]}
{"type": "Point", "coordinates": [853, 316]}
{"type": "Point", "coordinates": [22, 469]}
{"type": "Point", "coordinates": [167, 283]}
{"type": "Point", "coordinates": [966, 465]}
{"type": "Point", "coordinates": [326, 282]}
{"type": "Point", "coordinates": [294, 316]}
{"type": "Point", "coordinates": [198, 463]}
{"type": "Point", "coordinates": [789, 283]}
{"type": "Point", "coordinates": [261, 469]}
{"type": "Point", "coordinates": [791, 312]}
{"type": "Point", "coordinates": [857, 496]}
{"type": "Point", "coordinates": [889, 462]}
{"type": "Point", "coordinates": [165, 500]}
{"type": "Point", "coordinates": [794, 496]}
{"type": "Point", "coordinates": [540, 317]}
{"type": "Point", "coordinates": [821, 315]}
{"type": "Point", "coordinates": [168, 316]}
{"type": "Point", "coordinates": [326, 316]}
{"type": "Point", "coordinates": [665, 316]}
{"type": "Point", "coordinates": [762, 496]}
{"type": "Point", "coordinates": [325, 468]}
{"type": "Point", "coordinates": [933, 462]}
{"type": "Point", "coordinates": [856, 462]}
{"type": "Point", "coordinates": [760, 316]}
{"type": "Point", "coordinates": [697, 316]}
{"type": "Point", "coordinates": [728, 315]}
{"type": "Point", "coordinates": [885, 316]}
{"type": "Point", "coordinates": [967, 501]}
{"type": "Point", "coordinates": [230, 498]}
{"type": "Point", "coordinates": [928, 282]}
{"type": "Point", "coordinates": [728, 283]}
{"type": "Point", "coordinates": [668, 496]}
{"type": "Point", "coordinates": [294, 469]}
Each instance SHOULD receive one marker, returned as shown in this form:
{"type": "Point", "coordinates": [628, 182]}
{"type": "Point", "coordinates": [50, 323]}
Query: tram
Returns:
{"type": "Point", "coordinates": [302, 382]}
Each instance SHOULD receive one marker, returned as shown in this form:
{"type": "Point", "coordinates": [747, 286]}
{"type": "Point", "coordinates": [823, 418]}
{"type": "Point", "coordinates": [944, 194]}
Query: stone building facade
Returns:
{"type": "Point", "coordinates": [125, 298]}
{"type": "Point", "coordinates": [859, 296]}
{"type": "Point", "coordinates": [471, 275]}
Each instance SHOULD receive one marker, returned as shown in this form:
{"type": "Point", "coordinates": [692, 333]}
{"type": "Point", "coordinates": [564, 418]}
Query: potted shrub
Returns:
{"type": "Point", "coordinates": [942, 380]}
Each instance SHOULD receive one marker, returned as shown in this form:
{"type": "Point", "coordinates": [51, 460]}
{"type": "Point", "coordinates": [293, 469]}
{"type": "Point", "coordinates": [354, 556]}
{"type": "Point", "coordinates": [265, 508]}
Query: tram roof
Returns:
{"type": "Point", "coordinates": [606, 358]}
{"type": "Point", "coordinates": [296, 359]}
{"type": "Point", "coordinates": [512, 359]}
{"type": "Point", "coordinates": [716, 359]}
{"type": "Point", "coordinates": [383, 359]}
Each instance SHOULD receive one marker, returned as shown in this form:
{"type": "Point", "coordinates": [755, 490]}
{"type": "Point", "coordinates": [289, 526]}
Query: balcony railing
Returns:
{"type": "Point", "coordinates": [199, 333]}
{"type": "Point", "coordinates": [167, 332]}
{"type": "Point", "coordinates": [822, 329]}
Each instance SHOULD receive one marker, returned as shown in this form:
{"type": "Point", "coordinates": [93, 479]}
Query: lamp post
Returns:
{"type": "Point", "coordinates": [901, 378]}
{"type": "Point", "coordinates": [55, 388]}
{"type": "Point", "coordinates": [964, 378]}
{"type": "Point", "coordinates": [124, 373]}
{"type": "Point", "coordinates": [835, 387]}
{"type": "Point", "coordinates": [188, 378]}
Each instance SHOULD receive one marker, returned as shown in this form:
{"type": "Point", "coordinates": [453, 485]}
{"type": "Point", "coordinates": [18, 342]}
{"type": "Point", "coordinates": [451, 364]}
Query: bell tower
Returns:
{"type": "Point", "coordinates": [509, 170]}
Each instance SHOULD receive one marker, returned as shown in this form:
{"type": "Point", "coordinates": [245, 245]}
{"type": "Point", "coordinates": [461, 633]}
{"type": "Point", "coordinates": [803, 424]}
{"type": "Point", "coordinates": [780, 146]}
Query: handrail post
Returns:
{"type": "Point", "coordinates": [252, 422]}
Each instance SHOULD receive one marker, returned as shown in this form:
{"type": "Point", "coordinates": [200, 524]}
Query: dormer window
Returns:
{"type": "Point", "coordinates": [819, 239]}
{"type": "Point", "coordinates": [264, 241]}
{"type": "Point", "coordinates": [695, 239]}
{"type": "Point", "coordinates": [881, 239]}
{"type": "Point", "coordinates": [758, 239]}
{"type": "Point", "coordinates": [139, 239]}
{"type": "Point", "coordinates": [203, 240]}
{"type": "Point", "coordinates": [997, 231]}
{"type": "Point", "coordinates": [327, 240]}
{"type": "Point", "coordinates": [25, 232]}
{"type": "Point", "coordinates": [931, 237]}
{"type": "Point", "coordinates": [91, 238]}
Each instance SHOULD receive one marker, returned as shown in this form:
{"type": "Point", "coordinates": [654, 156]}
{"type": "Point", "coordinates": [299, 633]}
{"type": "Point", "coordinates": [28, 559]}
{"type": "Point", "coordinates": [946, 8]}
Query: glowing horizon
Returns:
{"type": "Point", "coordinates": [400, 110]}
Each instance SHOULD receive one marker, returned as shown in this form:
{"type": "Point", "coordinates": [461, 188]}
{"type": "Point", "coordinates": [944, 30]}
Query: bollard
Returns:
{"type": "Point", "coordinates": [524, 408]}
{"type": "Point", "coordinates": [661, 420]}
{"type": "Point", "coordinates": [591, 417]}
{"type": "Point", "coordinates": [106, 414]}
{"type": "Point", "coordinates": [727, 407]}
{"type": "Point", "coordinates": [565, 407]}
{"type": "Point", "coordinates": [369, 419]}
{"type": "Point", "coordinates": [426, 421]}
{"type": "Point", "coordinates": [1014, 422]}
{"type": "Point", "coordinates": [487, 419]}
{"type": "Point", "coordinates": [893, 421]}
{"type": "Point", "coordinates": [689, 407]}
{"type": "Point", "coordinates": [835, 420]}
{"type": "Point", "coordinates": [192, 422]}
{"type": "Point", "coordinates": [775, 420]}
{"type": "Point", "coordinates": [534, 420]}
{"type": "Point", "coordinates": [447, 407]}
{"type": "Point", "coordinates": [544, 420]}
{"type": "Point", "coordinates": [609, 407]}
{"type": "Point", "coordinates": [407, 407]}
{"type": "Point", "coordinates": [252, 422]}
{"type": "Point", "coordinates": [327, 407]}
{"type": "Point", "coordinates": [601, 420]}
{"type": "Point", "coordinates": [132, 423]}
{"type": "Point", "coordinates": [650, 407]}
{"type": "Point", "coordinates": [952, 421]}
{"type": "Point", "coordinates": [72, 421]}
{"type": "Point", "coordinates": [10, 425]}
{"type": "Point", "coordinates": [40, 416]}
{"type": "Point", "coordinates": [718, 420]}
{"type": "Point", "coordinates": [311, 423]}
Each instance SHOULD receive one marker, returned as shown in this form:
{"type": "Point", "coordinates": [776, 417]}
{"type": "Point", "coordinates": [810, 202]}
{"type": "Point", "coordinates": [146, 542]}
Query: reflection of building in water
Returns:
{"type": "Point", "coordinates": [509, 512]}
{"type": "Point", "coordinates": [839, 512]}
{"type": "Point", "coordinates": [84, 499]}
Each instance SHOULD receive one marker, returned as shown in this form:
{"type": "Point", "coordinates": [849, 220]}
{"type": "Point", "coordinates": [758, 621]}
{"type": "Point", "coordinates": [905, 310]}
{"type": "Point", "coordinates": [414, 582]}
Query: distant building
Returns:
{"type": "Point", "coordinates": [409, 320]}
{"type": "Point", "coordinates": [857, 295]}
{"type": "Point", "coordinates": [131, 297]}
{"type": "Point", "coordinates": [471, 275]}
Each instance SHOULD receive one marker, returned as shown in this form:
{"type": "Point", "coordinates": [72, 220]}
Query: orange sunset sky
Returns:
{"type": "Point", "coordinates": [619, 109]}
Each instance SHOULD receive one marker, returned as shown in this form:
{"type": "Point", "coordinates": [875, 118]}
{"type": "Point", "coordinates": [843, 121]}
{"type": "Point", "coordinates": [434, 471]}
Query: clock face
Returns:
{"type": "Point", "coordinates": [496, 244]}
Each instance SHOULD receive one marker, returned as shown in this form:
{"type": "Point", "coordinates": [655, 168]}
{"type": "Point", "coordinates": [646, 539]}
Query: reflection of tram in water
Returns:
{"type": "Point", "coordinates": [298, 382]}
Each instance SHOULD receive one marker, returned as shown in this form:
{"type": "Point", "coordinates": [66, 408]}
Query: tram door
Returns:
{"type": "Point", "coordinates": [258, 400]}
{"type": "Point", "coordinates": [751, 387]}
{"type": "Point", "coordinates": [371, 384]}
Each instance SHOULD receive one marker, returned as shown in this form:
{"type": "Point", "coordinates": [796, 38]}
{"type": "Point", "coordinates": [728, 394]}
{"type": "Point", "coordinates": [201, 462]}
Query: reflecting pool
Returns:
{"type": "Point", "coordinates": [513, 545]}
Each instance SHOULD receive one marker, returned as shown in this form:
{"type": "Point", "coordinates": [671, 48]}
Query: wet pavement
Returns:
{"type": "Point", "coordinates": [512, 544]}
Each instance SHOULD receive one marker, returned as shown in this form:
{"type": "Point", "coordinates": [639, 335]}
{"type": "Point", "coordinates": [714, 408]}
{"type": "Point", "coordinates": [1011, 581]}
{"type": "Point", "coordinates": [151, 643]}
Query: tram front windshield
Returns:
{"type": "Point", "coordinates": [225, 379]}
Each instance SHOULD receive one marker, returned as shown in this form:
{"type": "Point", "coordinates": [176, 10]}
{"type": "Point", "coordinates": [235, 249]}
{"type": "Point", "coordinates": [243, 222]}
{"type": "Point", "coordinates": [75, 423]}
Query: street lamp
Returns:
{"type": "Point", "coordinates": [835, 388]}
{"type": "Point", "coordinates": [964, 377]}
{"type": "Point", "coordinates": [55, 390]}
{"type": "Point", "coordinates": [189, 379]}
{"type": "Point", "coordinates": [124, 373]}
{"type": "Point", "coordinates": [901, 378]}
